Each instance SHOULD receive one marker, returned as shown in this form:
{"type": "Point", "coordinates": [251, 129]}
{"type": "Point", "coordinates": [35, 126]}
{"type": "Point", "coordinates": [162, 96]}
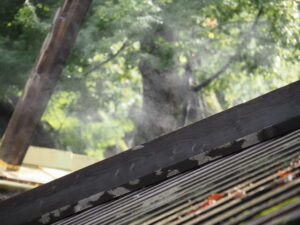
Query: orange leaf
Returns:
{"type": "Point", "coordinates": [211, 200]}
{"type": "Point", "coordinates": [283, 174]}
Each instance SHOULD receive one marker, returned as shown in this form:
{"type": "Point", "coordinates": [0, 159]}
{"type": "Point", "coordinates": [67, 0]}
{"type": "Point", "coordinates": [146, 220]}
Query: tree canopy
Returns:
{"type": "Point", "coordinates": [196, 57]}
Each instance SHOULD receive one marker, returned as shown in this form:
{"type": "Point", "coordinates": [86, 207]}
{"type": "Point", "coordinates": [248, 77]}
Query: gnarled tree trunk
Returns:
{"type": "Point", "coordinates": [168, 99]}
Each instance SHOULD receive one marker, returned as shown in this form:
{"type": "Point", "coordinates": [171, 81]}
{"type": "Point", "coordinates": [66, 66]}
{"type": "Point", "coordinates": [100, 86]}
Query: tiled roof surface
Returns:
{"type": "Point", "coordinates": [256, 186]}
{"type": "Point", "coordinates": [231, 168]}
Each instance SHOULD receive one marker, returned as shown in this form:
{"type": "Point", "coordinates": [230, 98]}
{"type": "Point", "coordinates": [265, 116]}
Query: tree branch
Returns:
{"type": "Point", "coordinates": [247, 37]}
{"type": "Point", "coordinates": [92, 69]}
{"type": "Point", "coordinates": [111, 57]}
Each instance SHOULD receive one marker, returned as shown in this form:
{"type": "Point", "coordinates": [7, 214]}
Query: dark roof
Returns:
{"type": "Point", "coordinates": [198, 148]}
{"type": "Point", "coordinates": [246, 187]}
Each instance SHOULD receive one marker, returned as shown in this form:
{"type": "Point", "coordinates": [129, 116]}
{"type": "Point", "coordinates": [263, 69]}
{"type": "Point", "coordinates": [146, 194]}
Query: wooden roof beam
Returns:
{"type": "Point", "coordinates": [265, 117]}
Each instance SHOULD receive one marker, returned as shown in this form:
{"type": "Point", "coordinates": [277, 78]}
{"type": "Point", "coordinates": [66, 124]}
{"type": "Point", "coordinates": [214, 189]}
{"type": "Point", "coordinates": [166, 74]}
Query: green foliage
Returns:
{"type": "Point", "coordinates": [20, 41]}
{"type": "Point", "coordinates": [95, 102]}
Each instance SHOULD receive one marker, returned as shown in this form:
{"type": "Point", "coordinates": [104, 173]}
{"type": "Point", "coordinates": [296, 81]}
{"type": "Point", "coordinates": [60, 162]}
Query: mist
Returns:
{"type": "Point", "coordinates": [141, 69]}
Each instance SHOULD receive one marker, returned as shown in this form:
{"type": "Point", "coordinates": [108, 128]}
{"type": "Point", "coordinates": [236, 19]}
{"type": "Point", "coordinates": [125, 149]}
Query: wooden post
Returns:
{"type": "Point", "coordinates": [41, 82]}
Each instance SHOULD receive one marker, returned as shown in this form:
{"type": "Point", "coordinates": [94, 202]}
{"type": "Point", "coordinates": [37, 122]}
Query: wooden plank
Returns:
{"type": "Point", "coordinates": [57, 159]}
{"type": "Point", "coordinates": [41, 82]}
{"type": "Point", "coordinates": [268, 116]}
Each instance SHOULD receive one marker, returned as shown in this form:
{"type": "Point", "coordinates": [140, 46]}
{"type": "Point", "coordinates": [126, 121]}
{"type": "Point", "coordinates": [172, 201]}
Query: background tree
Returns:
{"type": "Point", "coordinates": [144, 68]}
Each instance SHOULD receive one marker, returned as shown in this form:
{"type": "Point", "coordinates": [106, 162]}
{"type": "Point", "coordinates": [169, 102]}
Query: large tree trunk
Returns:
{"type": "Point", "coordinates": [168, 99]}
{"type": "Point", "coordinates": [42, 81]}
{"type": "Point", "coordinates": [42, 135]}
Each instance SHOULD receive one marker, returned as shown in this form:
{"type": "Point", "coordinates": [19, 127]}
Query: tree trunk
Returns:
{"type": "Point", "coordinates": [42, 136]}
{"type": "Point", "coordinates": [168, 99]}
{"type": "Point", "coordinates": [41, 82]}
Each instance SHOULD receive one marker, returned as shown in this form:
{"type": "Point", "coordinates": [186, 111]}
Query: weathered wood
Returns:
{"type": "Point", "coordinates": [268, 116]}
{"type": "Point", "coordinates": [42, 80]}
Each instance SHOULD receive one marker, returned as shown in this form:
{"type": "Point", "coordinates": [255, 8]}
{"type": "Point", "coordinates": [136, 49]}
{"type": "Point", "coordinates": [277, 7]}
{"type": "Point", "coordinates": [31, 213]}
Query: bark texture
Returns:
{"type": "Point", "coordinates": [42, 81]}
{"type": "Point", "coordinates": [169, 101]}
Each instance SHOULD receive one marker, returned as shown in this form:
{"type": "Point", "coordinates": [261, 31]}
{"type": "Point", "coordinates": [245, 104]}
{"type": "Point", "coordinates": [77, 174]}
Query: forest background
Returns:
{"type": "Point", "coordinates": [143, 68]}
